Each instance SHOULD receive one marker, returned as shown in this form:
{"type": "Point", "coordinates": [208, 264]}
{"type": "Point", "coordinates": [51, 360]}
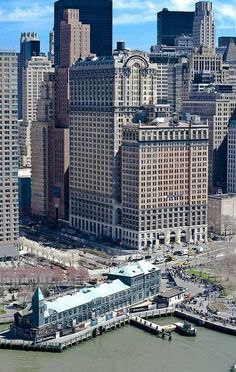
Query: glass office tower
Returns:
{"type": "Point", "coordinates": [171, 24]}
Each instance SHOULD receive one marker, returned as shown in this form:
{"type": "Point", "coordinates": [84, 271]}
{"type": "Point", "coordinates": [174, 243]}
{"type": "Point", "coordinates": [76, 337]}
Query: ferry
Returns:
{"type": "Point", "coordinates": [185, 329]}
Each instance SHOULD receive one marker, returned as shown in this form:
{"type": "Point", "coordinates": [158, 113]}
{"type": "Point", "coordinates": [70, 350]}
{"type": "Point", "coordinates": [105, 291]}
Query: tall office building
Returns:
{"type": "Point", "coordinates": [50, 134]}
{"type": "Point", "coordinates": [33, 75]}
{"type": "Point", "coordinates": [29, 46]}
{"type": "Point", "coordinates": [218, 109]}
{"type": "Point", "coordinates": [97, 14]}
{"type": "Point", "coordinates": [171, 24]}
{"type": "Point", "coordinates": [231, 151]}
{"type": "Point", "coordinates": [204, 25]}
{"type": "Point", "coordinates": [104, 94]}
{"type": "Point", "coordinates": [42, 144]}
{"type": "Point", "coordinates": [107, 182]}
{"type": "Point", "coordinates": [164, 182]}
{"type": "Point", "coordinates": [9, 223]}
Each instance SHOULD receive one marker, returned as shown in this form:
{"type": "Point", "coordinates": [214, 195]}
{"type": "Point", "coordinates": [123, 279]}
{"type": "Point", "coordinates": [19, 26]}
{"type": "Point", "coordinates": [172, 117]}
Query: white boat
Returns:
{"type": "Point", "coordinates": [233, 369]}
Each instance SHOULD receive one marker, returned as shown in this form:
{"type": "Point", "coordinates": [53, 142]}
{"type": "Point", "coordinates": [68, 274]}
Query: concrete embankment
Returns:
{"type": "Point", "coordinates": [216, 326]}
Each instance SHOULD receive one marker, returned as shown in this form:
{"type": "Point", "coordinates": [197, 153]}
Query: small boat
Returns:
{"type": "Point", "coordinates": [185, 329]}
{"type": "Point", "coordinates": [233, 369]}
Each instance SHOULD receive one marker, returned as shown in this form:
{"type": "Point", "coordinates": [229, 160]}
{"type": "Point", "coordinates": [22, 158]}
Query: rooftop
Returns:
{"type": "Point", "coordinates": [222, 196]}
{"type": "Point", "coordinates": [172, 292]}
{"type": "Point", "coordinates": [135, 269]}
{"type": "Point", "coordinates": [85, 296]}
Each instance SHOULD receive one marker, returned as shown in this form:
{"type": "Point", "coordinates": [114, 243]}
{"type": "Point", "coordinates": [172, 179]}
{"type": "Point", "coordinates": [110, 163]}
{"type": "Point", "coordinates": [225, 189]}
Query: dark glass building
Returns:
{"type": "Point", "coordinates": [96, 13]}
{"type": "Point", "coordinates": [29, 47]}
{"type": "Point", "coordinates": [223, 41]}
{"type": "Point", "coordinates": [171, 24]}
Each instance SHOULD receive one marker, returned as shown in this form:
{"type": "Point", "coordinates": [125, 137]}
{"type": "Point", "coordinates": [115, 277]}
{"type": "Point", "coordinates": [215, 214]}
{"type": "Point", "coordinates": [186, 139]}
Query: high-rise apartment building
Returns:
{"type": "Point", "coordinates": [218, 109]}
{"type": "Point", "coordinates": [42, 147]}
{"type": "Point", "coordinates": [97, 14]}
{"type": "Point", "coordinates": [204, 25]}
{"type": "Point", "coordinates": [74, 38]}
{"type": "Point", "coordinates": [29, 47]}
{"type": "Point", "coordinates": [50, 180]}
{"type": "Point", "coordinates": [164, 182]}
{"type": "Point", "coordinates": [9, 223]}
{"type": "Point", "coordinates": [33, 75]}
{"type": "Point", "coordinates": [171, 24]}
{"type": "Point", "coordinates": [231, 151]}
{"type": "Point", "coordinates": [107, 96]}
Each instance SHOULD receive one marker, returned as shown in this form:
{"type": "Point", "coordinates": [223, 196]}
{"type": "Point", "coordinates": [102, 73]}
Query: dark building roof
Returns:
{"type": "Point", "coordinates": [171, 24]}
{"type": "Point", "coordinates": [171, 293]}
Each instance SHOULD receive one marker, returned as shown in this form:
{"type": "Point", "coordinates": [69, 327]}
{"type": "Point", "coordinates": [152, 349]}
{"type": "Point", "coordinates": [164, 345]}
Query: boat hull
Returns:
{"type": "Point", "coordinates": [186, 332]}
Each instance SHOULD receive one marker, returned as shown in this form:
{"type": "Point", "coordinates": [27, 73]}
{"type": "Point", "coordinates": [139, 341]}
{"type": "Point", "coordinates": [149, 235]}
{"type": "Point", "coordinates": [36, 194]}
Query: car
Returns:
{"type": "Point", "coordinates": [170, 258]}
{"type": "Point", "coordinates": [159, 260]}
{"type": "Point", "coordinates": [177, 253]}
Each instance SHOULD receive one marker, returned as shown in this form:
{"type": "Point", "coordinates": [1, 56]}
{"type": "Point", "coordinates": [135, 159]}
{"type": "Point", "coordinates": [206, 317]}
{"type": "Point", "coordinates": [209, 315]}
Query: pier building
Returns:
{"type": "Point", "coordinates": [54, 317]}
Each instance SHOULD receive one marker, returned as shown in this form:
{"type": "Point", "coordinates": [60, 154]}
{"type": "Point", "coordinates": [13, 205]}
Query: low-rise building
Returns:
{"type": "Point", "coordinates": [222, 213]}
{"type": "Point", "coordinates": [171, 297]}
{"type": "Point", "coordinates": [66, 314]}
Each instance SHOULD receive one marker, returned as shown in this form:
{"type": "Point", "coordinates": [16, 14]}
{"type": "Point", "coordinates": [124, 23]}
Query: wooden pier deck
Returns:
{"type": "Point", "coordinates": [62, 343]}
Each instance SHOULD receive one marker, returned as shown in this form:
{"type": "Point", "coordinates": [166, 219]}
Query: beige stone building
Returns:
{"type": "Point", "coordinates": [50, 134]}
{"type": "Point", "coordinates": [75, 38]}
{"type": "Point", "coordinates": [222, 214]}
{"type": "Point", "coordinates": [218, 109]}
{"type": "Point", "coordinates": [164, 182]}
{"type": "Point", "coordinates": [33, 75]}
{"type": "Point", "coordinates": [106, 95]}
{"type": "Point", "coordinates": [204, 25]}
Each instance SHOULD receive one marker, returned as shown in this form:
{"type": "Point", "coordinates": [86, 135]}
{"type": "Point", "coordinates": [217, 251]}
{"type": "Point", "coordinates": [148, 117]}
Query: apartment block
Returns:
{"type": "Point", "coordinates": [33, 75]}
{"type": "Point", "coordinates": [218, 109]}
{"type": "Point", "coordinates": [9, 205]}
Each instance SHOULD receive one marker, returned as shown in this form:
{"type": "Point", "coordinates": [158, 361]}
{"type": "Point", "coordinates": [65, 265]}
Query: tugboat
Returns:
{"type": "Point", "coordinates": [185, 329]}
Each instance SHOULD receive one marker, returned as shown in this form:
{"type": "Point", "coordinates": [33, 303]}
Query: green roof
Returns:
{"type": "Point", "coordinates": [38, 296]}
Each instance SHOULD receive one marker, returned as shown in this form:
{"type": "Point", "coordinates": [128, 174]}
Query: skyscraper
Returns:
{"type": "Point", "coordinates": [50, 135]}
{"type": "Point", "coordinates": [104, 94]}
{"type": "Point", "coordinates": [171, 24]}
{"type": "Point", "coordinates": [29, 46]}
{"type": "Point", "coordinates": [33, 75]}
{"type": "Point", "coordinates": [204, 25]}
{"type": "Point", "coordinates": [9, 224]}
{"type": "Point", "coordinates": [97, 14]}
{"type": "Point", "coordinates": [218, 109]}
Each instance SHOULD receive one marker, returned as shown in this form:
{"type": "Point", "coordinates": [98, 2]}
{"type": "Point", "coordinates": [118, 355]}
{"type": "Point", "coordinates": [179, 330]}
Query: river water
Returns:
{"type": "Point", "coordinates": [132, 350]}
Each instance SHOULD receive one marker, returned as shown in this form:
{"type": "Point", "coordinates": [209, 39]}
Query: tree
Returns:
{"type": "Point", "coordinates": [228, 225]}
